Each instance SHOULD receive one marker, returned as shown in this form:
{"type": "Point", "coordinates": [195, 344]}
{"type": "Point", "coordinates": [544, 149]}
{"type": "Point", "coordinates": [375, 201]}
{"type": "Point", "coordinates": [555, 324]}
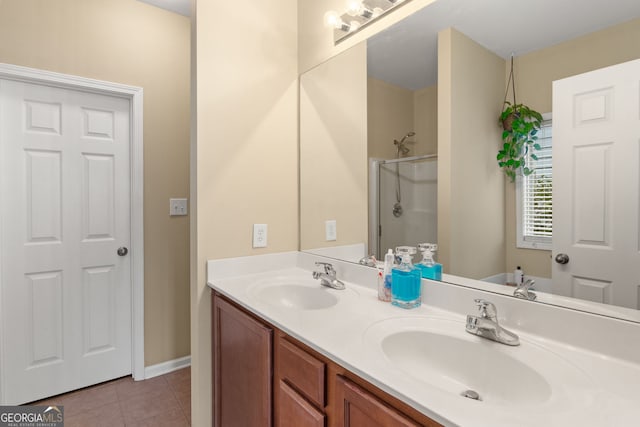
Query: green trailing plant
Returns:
{"type": "Point", "coordinates": [520, 125]}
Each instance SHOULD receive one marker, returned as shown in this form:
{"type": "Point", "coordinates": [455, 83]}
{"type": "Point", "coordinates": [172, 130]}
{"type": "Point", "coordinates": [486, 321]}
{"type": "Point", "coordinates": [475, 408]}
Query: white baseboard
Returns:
{"type": "Point", "coordinates": [166, 367]}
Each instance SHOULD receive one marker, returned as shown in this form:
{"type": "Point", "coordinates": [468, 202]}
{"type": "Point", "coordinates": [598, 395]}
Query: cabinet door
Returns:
{"type": "Point", "coordinates": [295, 411]}
{"type": "Point", "coordinates": [241, 368]}
{"type": "Point", "coordinates": [356, 407]}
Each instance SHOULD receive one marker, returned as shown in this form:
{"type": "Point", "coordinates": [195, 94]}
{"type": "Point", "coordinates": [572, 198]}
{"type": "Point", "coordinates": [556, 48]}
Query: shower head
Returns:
{"type": "Point", "coordinates": [408, 135]}
{"type": "Point", "coordinates": [401, 142]}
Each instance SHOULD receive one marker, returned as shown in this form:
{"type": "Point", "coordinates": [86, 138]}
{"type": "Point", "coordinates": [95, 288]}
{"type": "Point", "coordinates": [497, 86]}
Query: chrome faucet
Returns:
{"type": "Point", "coordinates": [369, 261]}
{"type": "Point", "coordinates": [328, 276]}
{"type": "Point", "coordinates": [486, 325]}
{"type": "Point", "coordinates": [524, 291]}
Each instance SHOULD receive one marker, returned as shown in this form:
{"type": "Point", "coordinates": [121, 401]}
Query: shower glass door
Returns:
{"type": "Point", "coordinates": [404, 209]}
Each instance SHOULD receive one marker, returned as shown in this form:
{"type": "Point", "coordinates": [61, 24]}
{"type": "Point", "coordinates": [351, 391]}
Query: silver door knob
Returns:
{"type": "Point", "coordinates": [562, 258]}
{"type": "Point", "coordinates": [122, 251]}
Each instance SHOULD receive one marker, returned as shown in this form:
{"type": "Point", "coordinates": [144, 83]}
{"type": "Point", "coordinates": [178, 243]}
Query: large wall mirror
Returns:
{"type": "Point", "coordinates": [399, 136]}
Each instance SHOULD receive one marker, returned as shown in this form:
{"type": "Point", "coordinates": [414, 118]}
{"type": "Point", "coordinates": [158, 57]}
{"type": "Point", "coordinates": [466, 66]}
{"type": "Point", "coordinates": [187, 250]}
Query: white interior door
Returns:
{"type": "Point", "coordinates": [66, 293]}
{"type": "Point", "coordinates": [596, 194]}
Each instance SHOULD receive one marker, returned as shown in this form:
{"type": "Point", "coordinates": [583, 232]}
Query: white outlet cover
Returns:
{"type": "Point", "coordinates": [331, 233]}
{"type": "Point", "coordinates": [259, 235]}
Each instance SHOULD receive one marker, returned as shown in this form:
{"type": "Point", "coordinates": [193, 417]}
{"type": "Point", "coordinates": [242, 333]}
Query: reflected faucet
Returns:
{"type": "Point", "coordinates": [369, 261]}
{"type": "Point", "coordinates": [328, 276]}
{"type": "Point", "coordinates": [524, 291]}
{"type": "Point", "coordinates": [486, 325]}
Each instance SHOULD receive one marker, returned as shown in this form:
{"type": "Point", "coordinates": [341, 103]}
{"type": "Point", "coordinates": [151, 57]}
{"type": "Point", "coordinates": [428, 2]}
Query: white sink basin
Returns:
{"type": "Point", "coordinates": [297, 293]}
{"type": "Point", "coordinates": [458, 365]}
{"type": "Point", "coordinates": [439, 353]}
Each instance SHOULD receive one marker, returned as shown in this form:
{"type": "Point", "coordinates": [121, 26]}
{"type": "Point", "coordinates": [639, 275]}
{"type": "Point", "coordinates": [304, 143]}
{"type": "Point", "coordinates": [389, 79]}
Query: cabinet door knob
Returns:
{"type": "Point", "coordinates": [122, 251]}
{"type": "Point", "coordinates": [562, 259]}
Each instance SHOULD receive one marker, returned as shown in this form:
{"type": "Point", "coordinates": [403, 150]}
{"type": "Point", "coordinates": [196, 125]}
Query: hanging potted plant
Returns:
{"type": "Point", "coordinates": [520, 125]}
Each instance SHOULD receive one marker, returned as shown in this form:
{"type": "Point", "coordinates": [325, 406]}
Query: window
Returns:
{"type": "Point", "coordinates": [534, 203]}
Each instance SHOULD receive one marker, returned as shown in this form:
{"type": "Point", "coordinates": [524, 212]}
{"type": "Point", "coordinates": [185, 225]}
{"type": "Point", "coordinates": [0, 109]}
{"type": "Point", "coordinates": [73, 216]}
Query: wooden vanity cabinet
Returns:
{"type": "Point", "coordinates": [242, 350]}
{"type": "Point", "coordinates": [300, 379]}
{"type": "Point", "coordinates": [356, 407]}
{"type": "Point", "coordinates": [308, 389]}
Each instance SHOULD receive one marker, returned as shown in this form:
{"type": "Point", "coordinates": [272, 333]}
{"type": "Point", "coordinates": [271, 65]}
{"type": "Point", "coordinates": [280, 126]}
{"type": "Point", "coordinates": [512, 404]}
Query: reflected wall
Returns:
{"type": "Point", "coordinates": [333, 155]}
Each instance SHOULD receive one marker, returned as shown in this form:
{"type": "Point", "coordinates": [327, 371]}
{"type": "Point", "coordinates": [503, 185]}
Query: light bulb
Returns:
{"type": "Point", "coordinates": [353, 26]}
{"type": "Point", "coordinates": [357, 8]}
{"type": "Point", "coordinates": [354, 7]}
{"type": "Point", "coordinates": [377, 11]}
{"type": "Point", "coordinates": [332, 19]}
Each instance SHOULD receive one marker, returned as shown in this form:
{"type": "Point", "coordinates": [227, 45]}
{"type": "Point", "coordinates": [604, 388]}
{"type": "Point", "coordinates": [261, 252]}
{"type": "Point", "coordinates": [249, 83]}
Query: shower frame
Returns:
{"type": "Point", "coordinates": [374, 197]}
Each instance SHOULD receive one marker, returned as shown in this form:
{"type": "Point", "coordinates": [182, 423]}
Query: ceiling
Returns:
{"type": "Point", "coordinates": [182, 7]}
{"type": "Point", "coordinates": [406, 53]}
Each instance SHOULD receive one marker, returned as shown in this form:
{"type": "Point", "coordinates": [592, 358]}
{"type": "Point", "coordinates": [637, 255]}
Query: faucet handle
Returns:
{"type": "Point", "coordinates": [528, 284]}
{"type": "Point", "coordinates": [487, 309]}
{"type": "Point", "coordinates": [328, 267]}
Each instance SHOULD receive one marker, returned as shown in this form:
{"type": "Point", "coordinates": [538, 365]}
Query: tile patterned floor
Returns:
{"type": "Point", "coordinates": [158, 402]}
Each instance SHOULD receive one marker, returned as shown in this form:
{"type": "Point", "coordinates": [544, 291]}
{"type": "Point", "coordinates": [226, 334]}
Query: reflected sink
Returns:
{"type": "Point", "coordinates": [297, 293]}
{"type": "Point", "coordinates": [437, 352]}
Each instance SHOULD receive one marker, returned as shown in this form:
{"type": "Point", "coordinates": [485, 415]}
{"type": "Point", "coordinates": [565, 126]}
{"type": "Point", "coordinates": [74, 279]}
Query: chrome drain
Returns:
{"type": "Point", "coordinates": [471, 394]}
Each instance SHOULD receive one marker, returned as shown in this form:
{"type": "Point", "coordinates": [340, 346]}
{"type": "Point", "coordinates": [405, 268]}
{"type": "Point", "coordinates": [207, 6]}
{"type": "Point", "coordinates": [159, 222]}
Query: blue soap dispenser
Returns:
{"type": "Point", "coordinates": [405, 280]}
{"type": "Point", "coordinates": [428, 267]}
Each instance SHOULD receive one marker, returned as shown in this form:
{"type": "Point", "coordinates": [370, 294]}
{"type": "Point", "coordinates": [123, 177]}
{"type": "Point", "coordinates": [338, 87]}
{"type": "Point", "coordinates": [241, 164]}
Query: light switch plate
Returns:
{"type": "Point", "coordinates": [330, 230]}
{"type": "Point", "coordinates": [177, 207]}
{"type": "Point", "coordinates": [259, 235]}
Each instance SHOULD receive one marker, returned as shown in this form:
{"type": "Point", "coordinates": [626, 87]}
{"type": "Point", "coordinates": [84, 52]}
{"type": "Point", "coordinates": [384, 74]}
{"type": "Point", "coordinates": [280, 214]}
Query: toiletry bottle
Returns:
{"type": "Point", "coordinates": [384, 278]}
{"type": "Point", "coordinates": [428, 267]}
{"type": "Point", "coordinates": [518, 276]}
{"type": "Point", "coordinates": [406, 281]}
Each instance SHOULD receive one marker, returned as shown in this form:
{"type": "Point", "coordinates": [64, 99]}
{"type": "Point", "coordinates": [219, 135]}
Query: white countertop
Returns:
{"type": "Point", "coordinates": [595, 376]}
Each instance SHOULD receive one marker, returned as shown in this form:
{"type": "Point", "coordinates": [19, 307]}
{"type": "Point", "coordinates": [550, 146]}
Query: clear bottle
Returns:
{"type": "Point", "coordinates": [406, 281]}
{"type": "Point", "coordinates": [518, 276]}
{"type": "Point", "coordinates": [384, 277]}
{"type": "Point", "coordinates": [428, 267]}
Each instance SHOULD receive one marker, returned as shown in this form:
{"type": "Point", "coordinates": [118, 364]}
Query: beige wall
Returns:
{"type": "Point", "coordinates": [535, 73]}
{"type": "Point", "coordinates": [425, 120]}
{"type": "Point", "coordinates": [389, 116]}
{"type": "Point", "coordinates": [470, 187]}
{"type": "Point", "coordinates": [247, 162]}
{"type": "Point", "coordinates": [333, 150]}
{"type": "Point", "coordinates": [392, 111]}
{"type": "Point", "coordinates": [128, 42]}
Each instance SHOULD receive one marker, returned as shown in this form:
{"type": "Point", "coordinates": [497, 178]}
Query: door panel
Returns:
{"type": "Point", "coordinates": [596, 189]}
{"type": "Point", "coordinates": [66, 294]}
{"type": "Point", "coordinates": [44, 309]}
{"type": "Point", "coordinates": [592, 195]}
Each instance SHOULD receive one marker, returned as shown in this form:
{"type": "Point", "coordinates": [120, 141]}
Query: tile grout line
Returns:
{"type": "Point", "coordinates": [173, 391]}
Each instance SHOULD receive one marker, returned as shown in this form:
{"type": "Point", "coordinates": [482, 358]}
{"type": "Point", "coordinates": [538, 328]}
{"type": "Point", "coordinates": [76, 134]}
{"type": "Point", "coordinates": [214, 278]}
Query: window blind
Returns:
{"type": "Point", "coordinates": [537, 201]}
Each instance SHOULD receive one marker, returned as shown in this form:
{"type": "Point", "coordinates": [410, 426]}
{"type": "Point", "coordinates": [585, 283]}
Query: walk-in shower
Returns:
{"type": "Point", "coordinates": [418, 222]}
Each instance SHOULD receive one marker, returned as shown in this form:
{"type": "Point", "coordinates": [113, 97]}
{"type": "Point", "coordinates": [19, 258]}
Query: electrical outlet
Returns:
{"type": "Point", "coordinates": [330, 231]}
{"type": "Point", "coordinates": [177, 207]}
{"type": "Point", "coordinates": [259, 235]}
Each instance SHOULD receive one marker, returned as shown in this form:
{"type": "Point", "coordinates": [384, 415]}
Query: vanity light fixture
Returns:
{"type": "Point", "coordinates": [359, 13]}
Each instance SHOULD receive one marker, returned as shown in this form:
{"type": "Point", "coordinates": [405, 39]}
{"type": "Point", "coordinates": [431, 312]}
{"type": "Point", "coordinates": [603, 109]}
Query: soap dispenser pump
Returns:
{"type": "Point", "coordinates": [428, 267]}
{"type": "Point", "coordinates": [406, 280]}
